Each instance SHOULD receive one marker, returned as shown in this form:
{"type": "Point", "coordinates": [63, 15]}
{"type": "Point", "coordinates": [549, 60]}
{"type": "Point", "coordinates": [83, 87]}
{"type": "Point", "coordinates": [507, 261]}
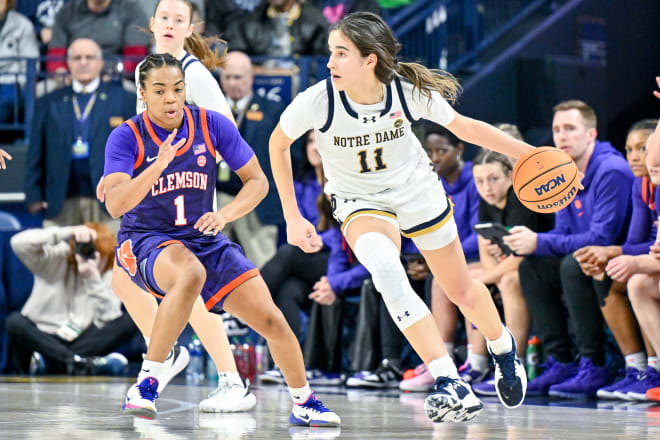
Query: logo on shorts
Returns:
{"type": "Point", "coordinates": [201, 161]}
{"type": "Point", "coordinates": [127, 258]}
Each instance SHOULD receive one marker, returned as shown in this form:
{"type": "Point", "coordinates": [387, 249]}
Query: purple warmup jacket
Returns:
{"type": "Point", "coordinates": [599, 213]}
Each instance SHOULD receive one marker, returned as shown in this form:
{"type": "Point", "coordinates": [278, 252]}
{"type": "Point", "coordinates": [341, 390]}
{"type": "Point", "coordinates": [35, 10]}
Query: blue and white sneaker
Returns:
{"type": "Point", "coordinates": [176, 361]}
{"type": "Point", "coordinates": [486, 387]}
{"type": "Point", "coordinates": [510, 377]}
{"type": "Point", "coordinates": [313, 413]}
{"type": "Point", "coordinates": [451, 400]}
{"type": "Point", "coordinates": [141, 399]}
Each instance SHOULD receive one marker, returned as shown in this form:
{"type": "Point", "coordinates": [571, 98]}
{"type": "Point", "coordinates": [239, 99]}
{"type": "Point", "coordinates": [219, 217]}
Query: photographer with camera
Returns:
{"type": "Point", "coordinates": [72, 320]}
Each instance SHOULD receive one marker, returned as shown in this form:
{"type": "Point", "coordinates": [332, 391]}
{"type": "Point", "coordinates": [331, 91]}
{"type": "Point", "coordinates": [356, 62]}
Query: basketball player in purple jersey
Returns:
{"type": "Point", "coordinates": [159, 175]}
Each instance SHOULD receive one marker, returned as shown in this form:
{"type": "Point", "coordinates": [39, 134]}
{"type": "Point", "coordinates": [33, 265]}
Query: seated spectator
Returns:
{"type": "Point", "coordinates": [220, 13]}
{"type": "Point", "coordinates": [280, 28]}
{"type": "Point", "coordinates": [599, 215]}
{"type": "Point", "coordinates": [499, 204]}
{"type": "Point", "coordinates": [343, 278]}
{"type": "Point", "coordinates": [256, 118]}
{"type": "Point", "coordinates": [17, 39]}
{"type": "Point", "coordinates": [379, 343]}
{"type": "Point", "coordinates": [116, 25]}
{"type": "Point", "coordinates": [641, 235]}
{"type": "Point", "coordinates": [71, 318]}
{"type": "Point", "coordinates": [67, 146]}
{"type": "Point", "coordinates": [42, 15]}
{"type": "Point", "coordinates": [445, 151]}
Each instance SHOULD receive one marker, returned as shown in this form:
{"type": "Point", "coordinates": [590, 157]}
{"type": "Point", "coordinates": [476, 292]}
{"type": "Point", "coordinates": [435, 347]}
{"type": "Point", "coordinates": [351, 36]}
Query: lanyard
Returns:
{"type": "Point", "coordinates": [88, 108]}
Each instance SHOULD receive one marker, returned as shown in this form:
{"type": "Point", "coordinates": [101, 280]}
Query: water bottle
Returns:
{"type": "Point", "coordinates": [532, 355]}
{"type": "Point", "coordinates": [195, 369]}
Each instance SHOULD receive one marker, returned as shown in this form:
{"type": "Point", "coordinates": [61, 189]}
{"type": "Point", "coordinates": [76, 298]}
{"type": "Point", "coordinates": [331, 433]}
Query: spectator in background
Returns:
{"type": "Point", "coordinates": [598, 216]}
{"type": "Point", "coordinates": [17, 39]}
{"type": "Point", "coordinates": [256, 118]}
{"type": "Point", "coordinates": [67, 147]}
{"type": "Point", "coordinates": [291, 273]}
{"type": "Point", "coordinates": [641, 235]}
{"type": "Point", "coordinates": [42, 14]}
{"type": "Point", "coordinates": [220, 13]}
{"type": "Point", "coordinates": [71, 317]}
{"type": "Point", "coordinates": [343, 278]}
{"type": "Point", "coordinates": [116, 25]}
{"type": "Point", "coordinates": [499, 204]}
{"type": "Point", "coordinates": [335, 10]}
{"type": "Point", "coordinates": [280, 28]}
{"type": "Point", "coordinates": [445, 151]}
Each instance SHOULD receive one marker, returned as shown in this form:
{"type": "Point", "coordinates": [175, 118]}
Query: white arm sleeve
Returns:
{"type": "Point", "coordinates": [202, 90]}
{"type": "Point", "coordinates": [308, 110]}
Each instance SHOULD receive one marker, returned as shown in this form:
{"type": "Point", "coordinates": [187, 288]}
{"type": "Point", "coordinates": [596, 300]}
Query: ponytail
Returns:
{"type": "Point", "coordinates": [426, 80]}
{"type": "Point", "coordinates": [201, 48]}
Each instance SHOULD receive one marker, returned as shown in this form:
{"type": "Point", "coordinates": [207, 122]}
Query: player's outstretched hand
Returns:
{"type": "Point", "coordinates": [4, 155]}
{"type": "Point", "coordinates": [302, 233]}
{"type": "Point", "coordinates": [211, 223]}
{"type": "Point", "coordinates": [167, 151]}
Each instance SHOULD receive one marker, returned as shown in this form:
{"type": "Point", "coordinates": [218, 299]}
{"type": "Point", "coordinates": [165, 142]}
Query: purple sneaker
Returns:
{"type": "Point", "coordinates": [471, 375]}
{"type": "Point", "coordinates": [609, 392]}
{"type": "Point", "coordinates": [637, 390]}
{"type": "Point", "coordinates": [485, 387]}
{"type": "Point", "coordinates": [589, 379]}
{"type": "Point", "coordinates": [553, 373]}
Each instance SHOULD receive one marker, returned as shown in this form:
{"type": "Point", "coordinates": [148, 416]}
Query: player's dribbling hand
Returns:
{"type": "Point", "coordinates": [211, 223]}
{"type": "Point", "coordinates": [4, 155]}
{"type": "Point", "coordinates": [167, 151]}
{"type": "Point", "coordinates": [302, 233]}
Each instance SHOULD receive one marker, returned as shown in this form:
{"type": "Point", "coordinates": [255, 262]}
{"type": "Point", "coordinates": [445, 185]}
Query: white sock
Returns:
{"type": "Point", "coordinates": [478, 362]}
{"type": "Point", "coordinates": [443, 366]}
{"type": "Point", "coordinates": [653, 362]}
{"type": "Point", "coordinates": [503, 344]}
{"type": "Point", "coordinates": [450, 348]}
{"type": "Point", "coordinates": [636, 360]}
{"type": "Point", "coordinates": [150, 369]}
{"type": "Point", "coordinates": [300, 395]}
{"type": "Point", "coordinates": [232, 377]}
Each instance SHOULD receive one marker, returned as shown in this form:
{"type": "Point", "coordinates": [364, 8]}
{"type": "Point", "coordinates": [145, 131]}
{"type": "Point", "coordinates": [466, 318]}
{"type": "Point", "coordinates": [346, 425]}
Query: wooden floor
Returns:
{"type": "Point", "coordinates": [88, 408]}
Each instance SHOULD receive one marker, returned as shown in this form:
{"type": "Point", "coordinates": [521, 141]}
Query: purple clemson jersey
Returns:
{"type": "Point", "coordinates": [183, 193]}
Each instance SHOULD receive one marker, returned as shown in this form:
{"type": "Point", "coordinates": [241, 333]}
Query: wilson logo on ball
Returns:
{"type": "Point", "coordinates": [550, 185]}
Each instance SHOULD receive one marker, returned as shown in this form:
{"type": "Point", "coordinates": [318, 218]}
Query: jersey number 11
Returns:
{"type": "Point", "coordinates": [378, 157]}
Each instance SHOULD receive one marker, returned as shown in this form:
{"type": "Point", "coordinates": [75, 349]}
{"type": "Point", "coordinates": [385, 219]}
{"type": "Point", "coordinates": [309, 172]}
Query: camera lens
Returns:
{"type": "Point", "coordinates": [86, 249]}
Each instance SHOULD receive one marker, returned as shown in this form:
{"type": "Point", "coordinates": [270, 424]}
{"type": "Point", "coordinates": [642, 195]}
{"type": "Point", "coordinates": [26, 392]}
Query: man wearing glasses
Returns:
{"type": "Point", "coordinates": [66, 152]}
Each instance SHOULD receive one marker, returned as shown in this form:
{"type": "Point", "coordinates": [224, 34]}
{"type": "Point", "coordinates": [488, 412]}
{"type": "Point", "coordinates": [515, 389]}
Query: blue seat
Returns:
{"type": "Point", "coordinates": [8, 222]}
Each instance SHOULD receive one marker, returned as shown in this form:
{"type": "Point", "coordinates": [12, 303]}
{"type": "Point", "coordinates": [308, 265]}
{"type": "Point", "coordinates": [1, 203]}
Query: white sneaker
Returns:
{"type": "Point", "coordinates": [313, 413]}
{"type": "Point", "coordinates": [451, 400]}
{"type": "Point", "coordinates": [272, 376]}
{"type": "Point", "coordinates": [173, 365]}
{"type": "Point", "coordinates": [141, 399]}
{"type": "Point", "coordinates": [228, 397]}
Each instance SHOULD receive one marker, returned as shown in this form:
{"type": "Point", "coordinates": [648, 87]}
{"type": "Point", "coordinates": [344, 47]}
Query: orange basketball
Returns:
{"type": "Point", "coordinates": [545, 180]}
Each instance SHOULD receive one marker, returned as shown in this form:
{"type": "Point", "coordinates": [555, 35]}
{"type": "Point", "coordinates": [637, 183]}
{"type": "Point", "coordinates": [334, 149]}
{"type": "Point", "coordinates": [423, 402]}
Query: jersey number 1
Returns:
{"type": "Point", "coordinates": [180, 219]}
{"type": "Point", "coordinates": [378, 157]}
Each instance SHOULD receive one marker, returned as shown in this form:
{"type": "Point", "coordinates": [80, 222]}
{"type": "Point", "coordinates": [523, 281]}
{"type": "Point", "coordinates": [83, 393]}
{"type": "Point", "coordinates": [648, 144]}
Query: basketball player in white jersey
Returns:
{"type": "Point", "coordinates": [382, 185]}
{"type": "Point", "coordinates": [172, 28]}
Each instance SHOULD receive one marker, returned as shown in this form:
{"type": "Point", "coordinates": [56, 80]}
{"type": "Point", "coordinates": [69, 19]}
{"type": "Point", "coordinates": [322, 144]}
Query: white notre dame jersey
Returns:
{"type": "Point", "coordinates": [365, 149]}
{"type": "Point", "coordinates": [202, 90]}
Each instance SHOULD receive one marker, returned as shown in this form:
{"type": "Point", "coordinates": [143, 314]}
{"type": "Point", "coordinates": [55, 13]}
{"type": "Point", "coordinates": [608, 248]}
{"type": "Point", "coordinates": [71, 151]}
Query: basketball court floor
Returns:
{"type": "Point", "coordinates": [54, 408]}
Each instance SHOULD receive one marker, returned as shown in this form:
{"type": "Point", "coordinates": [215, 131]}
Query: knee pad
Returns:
{"type": "Point", "coordinates": [380, 256]}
